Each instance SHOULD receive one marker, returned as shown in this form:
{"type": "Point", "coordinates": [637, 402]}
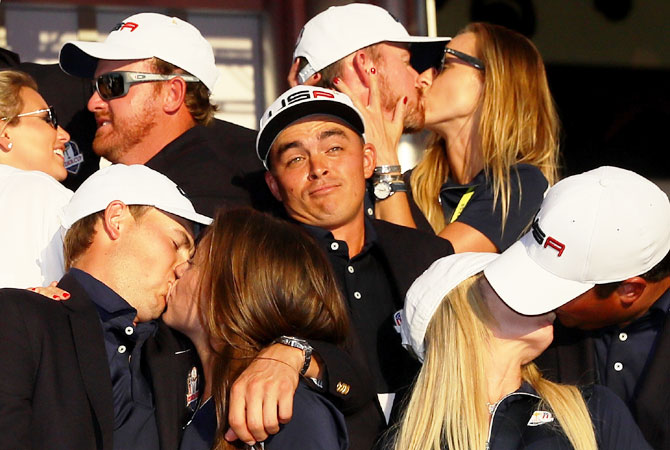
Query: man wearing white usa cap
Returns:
{"type": "Point", "coordinates": [311, 141]}
{"type": "Point", "coordinates": [374, 43]}
{"type": "Point", "coordinates": [99, 370]}
{"type": "Point", "coordinates": [598, 251]}
{"type": "Point", "coordinates": [153, 77]}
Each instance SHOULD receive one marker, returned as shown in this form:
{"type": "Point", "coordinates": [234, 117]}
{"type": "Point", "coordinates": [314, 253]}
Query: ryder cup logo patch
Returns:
{"type": "Point", "coordinates": [540, 418]}
{"type": "Point", "coordinates": [73, 157]}
{"type": "Point", "coordinates": [397, 320]}
{"type": "Point", "coordinates": [192, 393]}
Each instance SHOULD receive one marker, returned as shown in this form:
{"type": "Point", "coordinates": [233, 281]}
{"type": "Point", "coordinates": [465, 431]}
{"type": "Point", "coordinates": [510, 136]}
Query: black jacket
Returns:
{"type": "Point", "coordinates": [216, 166]}
{"type": "Point", "coordinates": [571, 359]}
{"type": "Point", "coordinates": [55, 385]}
{"type": "Point", "coordinates": [405, 253]}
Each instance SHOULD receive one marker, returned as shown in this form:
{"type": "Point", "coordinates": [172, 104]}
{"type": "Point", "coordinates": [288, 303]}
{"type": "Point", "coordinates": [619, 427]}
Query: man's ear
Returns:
{"type": "Point", "coordinates": [272, 185]}
{"type": "Point", "coordinates": [630, 290]}
{"type": "Point", "coordinates": [174, 95]}
{"type": "Point", "coordinates": [362, 64]}
{"type": "Point", "coordinates": [114, 219]}
{"type": "Point", "coordinates": [369, 159]}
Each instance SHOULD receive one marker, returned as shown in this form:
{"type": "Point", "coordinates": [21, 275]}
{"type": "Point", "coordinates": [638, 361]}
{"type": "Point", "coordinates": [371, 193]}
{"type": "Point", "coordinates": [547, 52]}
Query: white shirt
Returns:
{"type": "Point", "coordinates": [31, 242]}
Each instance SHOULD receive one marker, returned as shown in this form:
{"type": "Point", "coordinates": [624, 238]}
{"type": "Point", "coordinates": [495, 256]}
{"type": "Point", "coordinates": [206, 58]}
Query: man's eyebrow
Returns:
{"type": "Point", "coordinates": [332, 132]}
{"type": "Point", "coordinates": [185, 240]}
{"type": "Point", "coordinates": [287, 146]}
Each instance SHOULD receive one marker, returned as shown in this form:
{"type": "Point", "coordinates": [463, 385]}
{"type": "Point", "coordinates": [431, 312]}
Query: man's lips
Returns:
{"type": "Point", "coordinates": [323, 189]}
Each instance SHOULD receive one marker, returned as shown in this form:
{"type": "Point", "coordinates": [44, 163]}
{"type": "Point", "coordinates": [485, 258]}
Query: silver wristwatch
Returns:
{"type": "Point", "coordinates": [299, 344]}
{"type": "Point", "coordinates": [383, 189]}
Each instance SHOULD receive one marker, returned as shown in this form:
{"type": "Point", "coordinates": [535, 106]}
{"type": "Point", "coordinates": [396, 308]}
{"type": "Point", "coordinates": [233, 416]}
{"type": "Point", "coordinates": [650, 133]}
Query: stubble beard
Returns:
{"type": "Point", "coordinates": [127, 134]}
{"type": "Point", "coordinates": [414, 119]}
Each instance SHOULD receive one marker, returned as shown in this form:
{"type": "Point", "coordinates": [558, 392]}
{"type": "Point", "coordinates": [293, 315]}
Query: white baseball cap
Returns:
{"type": "Point", "coordinates": [298, 103]}
{"type": "Point", "coordinates": [430, 289]}
{"type": "Point", "coordinates": [133, 185]}
{"type": "Point", "coordinates": [341, 30]}
{"type": "Point", "coordinates": [143, 36]}
{"type": "Point", "coordinates": [601, 226]}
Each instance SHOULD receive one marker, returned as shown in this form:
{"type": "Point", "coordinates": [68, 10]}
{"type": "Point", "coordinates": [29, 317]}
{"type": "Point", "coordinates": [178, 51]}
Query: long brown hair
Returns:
{"type": "Point", "coordinates": [264, 278]}
{"type": "Point", "coordinates": [518, 122]}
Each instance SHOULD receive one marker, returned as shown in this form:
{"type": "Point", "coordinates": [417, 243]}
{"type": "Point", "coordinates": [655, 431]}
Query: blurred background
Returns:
{"type": "Point", "coordinates": [608, 61]}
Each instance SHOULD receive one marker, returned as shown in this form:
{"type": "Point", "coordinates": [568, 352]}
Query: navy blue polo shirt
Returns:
{"type": "Point", "coordinates": [527, 187]}
{"type": "Point", "coordinates": [623, 354]}
{"type": "Point", "coordinates": [134, 409]}
{"type": "Point", "coordinates": [370, 293]}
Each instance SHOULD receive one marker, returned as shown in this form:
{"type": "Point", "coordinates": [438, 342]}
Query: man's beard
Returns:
{"type": "Point", "coordinates": [413, 121]}
{"type": "Point", "coordinates": [126, 134]}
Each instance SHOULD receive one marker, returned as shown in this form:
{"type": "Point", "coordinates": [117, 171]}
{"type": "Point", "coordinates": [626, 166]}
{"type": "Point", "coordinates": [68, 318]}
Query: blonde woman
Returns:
{"type": "Point", "coordinates": [478, 387]}
{"type": "Point", "coordinates": [32, 147]}
{"type": "Point", "coordinates": [494, 147]}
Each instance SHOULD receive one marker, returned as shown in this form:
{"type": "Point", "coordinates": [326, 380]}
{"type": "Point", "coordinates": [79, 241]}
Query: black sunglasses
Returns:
{"type": "Point", "coordinates": [49, 118]}
{"type": "Point", "coordinates": [469, 60]}
{"type": "Point", "coordinates": [116, 84]}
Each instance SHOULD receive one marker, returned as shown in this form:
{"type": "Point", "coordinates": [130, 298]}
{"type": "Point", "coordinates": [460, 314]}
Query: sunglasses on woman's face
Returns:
{"type": "Point", "coordinates": [116, 84]}
{"type": "Point", "coordinates": [469, 60]}
{"type": "Point", "coordinates": [49, 117]}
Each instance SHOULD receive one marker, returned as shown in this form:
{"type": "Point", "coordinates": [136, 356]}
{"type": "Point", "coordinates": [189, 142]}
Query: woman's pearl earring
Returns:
{"type": "Point", "coordinates": [10, 145]}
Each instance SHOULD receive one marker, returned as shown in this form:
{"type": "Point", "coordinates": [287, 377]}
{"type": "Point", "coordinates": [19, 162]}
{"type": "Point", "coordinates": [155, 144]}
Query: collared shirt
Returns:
{"type": "Point", "coordinates": [134, 410]}
{"type": "Point", "coordinates": [367, 286]}
{"type": "Point", "coordinates": [623, 354]}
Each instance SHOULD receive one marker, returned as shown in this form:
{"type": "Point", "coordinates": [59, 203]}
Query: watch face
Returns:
{"type": "Point", "coordinates": [382, 190]}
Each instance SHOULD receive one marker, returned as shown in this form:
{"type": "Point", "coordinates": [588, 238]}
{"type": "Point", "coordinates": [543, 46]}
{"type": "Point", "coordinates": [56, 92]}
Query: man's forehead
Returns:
{"type": "Point", "coordinates": [110, 65]}
{"type": "Point", "coordinates": [313, 126]}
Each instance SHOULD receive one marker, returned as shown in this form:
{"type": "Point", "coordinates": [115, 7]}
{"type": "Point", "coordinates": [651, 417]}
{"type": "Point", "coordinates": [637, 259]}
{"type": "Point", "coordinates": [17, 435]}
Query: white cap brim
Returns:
{"type": "Point", "coordinates": [525, 286]}
{"type": "Point", "coordinates": [80, 58]}
{"type": "Point", "coordinates": [429, 290]}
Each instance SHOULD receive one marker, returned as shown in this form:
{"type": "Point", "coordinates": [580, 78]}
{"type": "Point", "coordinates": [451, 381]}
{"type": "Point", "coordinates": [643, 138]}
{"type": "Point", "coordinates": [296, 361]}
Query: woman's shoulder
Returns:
{"type": "Point", "coordinates": [316, 424]}
{"type": "Point", "coordinates": [28, 182]}
{"type": "Point", "coordinates": [528, 174]}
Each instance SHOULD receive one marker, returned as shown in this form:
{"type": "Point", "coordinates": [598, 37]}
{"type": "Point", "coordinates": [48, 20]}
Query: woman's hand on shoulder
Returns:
{"type": "Point", "coordinates": [52, 291]}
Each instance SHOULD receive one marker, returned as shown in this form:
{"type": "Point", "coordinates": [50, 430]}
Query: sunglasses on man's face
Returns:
{"type": "Point", "coordinates": [116, 84]}
{"type": "Point", "coordinates": [49, 117]}
{"type": "Point", "coordinates": [469, 60]}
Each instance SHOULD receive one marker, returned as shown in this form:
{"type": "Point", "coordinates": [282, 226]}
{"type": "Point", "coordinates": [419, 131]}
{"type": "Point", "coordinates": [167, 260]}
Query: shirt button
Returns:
{"type": "Point", "coordinates": [129, 330]}
{"type": "Point", "coordinates": [357, 295]}
{"type": "Point", "coordinates": [623, 336]}
{"type": "Point", "coordinates": [370, 212]}
{"type": "Point", "coordinates": [121, 349]}
{"type": "Point", "coordinates": [334, 246]}
{"type": "Point", "coordinates": [350, 269]}
{"type": "Point", "coordinates": [618, 366]}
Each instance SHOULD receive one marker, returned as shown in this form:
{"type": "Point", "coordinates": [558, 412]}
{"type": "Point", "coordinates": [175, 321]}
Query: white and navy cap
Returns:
{"type": "Point", "coordinates": [298, 103]}
{"type": "Point", "coordinates": [601, 226]}
{"type": "Point", "coordinates": [133, 185]}
{"type": "Point", "coordinates": [430, 289]}
{"type": "Point", "coordinates": [341, 30]}
{"type": "Point", "coordinates": [143, 36]}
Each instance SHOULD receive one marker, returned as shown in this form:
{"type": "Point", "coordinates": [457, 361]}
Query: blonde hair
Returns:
{"type": "Point", "coordinates": [518, 122]}
{"type": "Point", "coordinates": [447, 405]}
{"type": "Point", "coordinates": [11, 82]}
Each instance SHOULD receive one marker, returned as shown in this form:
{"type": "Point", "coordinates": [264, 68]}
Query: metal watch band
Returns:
{"type": "Point", "coordinates": [300, 344]}
{"type": "Point", "coordinates": [380, 170]}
